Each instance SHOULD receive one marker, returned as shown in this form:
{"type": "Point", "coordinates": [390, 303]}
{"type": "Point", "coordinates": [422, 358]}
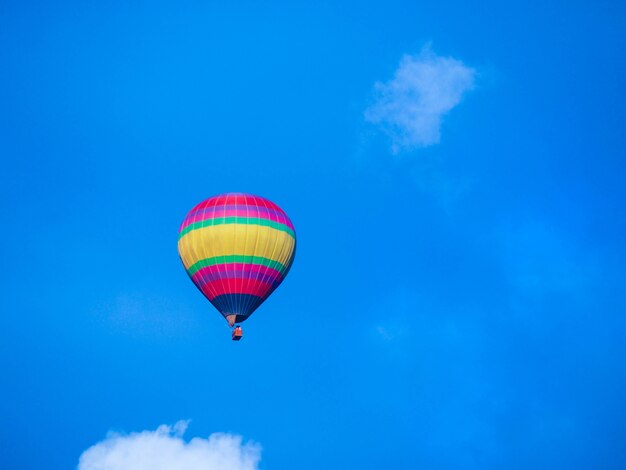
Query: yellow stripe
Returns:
{"type": "Point", "coordinates": [236, 239]}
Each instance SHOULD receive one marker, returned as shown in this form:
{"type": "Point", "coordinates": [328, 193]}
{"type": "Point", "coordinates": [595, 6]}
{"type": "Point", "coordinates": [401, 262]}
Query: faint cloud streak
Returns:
{"type": "Point", "coordinates": [540, 260]}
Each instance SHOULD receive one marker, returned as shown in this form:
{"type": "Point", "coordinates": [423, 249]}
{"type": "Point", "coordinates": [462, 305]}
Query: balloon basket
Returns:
{"type": "Point", "coordinates": [237, 333]}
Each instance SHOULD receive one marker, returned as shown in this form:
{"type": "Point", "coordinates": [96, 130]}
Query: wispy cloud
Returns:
{"type": "Point", "coordinates": [424, 88]}
{"type": "Point", "coordinates": [165, 449]}
{"type": "Point", "coordinates": [540, 260]}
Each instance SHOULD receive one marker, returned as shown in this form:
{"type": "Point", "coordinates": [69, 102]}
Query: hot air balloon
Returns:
{"type": "Point", "coordinates": [237, 249]}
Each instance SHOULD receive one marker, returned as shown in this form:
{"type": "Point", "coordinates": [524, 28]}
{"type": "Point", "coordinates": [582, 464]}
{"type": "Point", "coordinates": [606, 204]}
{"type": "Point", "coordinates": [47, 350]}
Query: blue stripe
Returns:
{"type": "Point", "coordinates": [241, 305]}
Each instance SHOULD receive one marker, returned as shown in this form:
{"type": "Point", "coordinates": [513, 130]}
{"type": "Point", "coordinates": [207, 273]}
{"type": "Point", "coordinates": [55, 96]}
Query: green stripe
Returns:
{"type": "Point", "coordinates": [203, 263]}
{"type": "Point", "coordinates": [236, 220]}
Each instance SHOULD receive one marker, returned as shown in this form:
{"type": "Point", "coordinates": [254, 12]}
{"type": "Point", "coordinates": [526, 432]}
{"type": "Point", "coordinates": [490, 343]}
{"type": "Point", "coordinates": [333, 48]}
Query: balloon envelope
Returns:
{"type": "Point", "coordinates": [237, 249]}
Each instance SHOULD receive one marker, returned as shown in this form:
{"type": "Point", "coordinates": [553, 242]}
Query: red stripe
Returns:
{"type": "Point", "coordinates": [253, 271]}
{"type": "Point", "coordinates": [238, 198]}
{"type": "Point", "coordinates": [236, 286]}
{"type": "Point", "coordinates": [213, 204]}
{"type": "Point", "coordinates": [251, 208]}
{"type": "Point", "coordinates": [218, 212]}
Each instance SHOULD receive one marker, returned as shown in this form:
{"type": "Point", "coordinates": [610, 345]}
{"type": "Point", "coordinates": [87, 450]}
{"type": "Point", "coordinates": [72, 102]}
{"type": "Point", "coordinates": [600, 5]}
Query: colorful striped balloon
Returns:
{"type": "Point", "coordinates": [237, 249]}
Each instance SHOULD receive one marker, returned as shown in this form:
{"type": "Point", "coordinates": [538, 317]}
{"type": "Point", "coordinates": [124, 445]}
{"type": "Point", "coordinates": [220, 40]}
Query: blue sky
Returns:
{"type": "Point", "coordinates": [458, 292]}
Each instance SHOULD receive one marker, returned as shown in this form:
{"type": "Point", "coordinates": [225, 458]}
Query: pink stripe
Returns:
{"type": "Point", "coordinates": [213, 213]}
{"type": "Point", "coordinates": [251, 208]}
{"type": "Point", "coordinates": [236, 270]}
{"type": "Point", "coordinates": [236, 286]}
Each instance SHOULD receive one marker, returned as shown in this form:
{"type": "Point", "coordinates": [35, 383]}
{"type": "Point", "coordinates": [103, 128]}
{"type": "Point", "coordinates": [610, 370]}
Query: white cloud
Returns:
{"type": "Point", "coordinates": [165, 449]}
{"type": "Point", "coordinates": [411, 105]}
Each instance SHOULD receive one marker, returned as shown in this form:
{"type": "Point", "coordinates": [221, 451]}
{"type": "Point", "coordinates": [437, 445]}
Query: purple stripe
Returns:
{"type": "Point", "coordinates": [213, 273]}
{"type": "Point", "coordinates": [227, 211]}
{"type": "Point", "coordinates": [207, 277]}
{"type": "Point", "coordinates": [252, 210]}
